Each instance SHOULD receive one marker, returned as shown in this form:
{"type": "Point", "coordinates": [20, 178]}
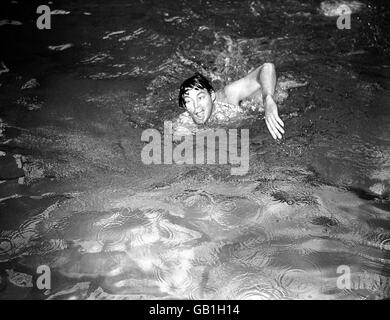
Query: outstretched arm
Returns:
{"type": "Point", "coordinates": [267, 80]}
{"type": "Point", "coordinates": [263, 78]}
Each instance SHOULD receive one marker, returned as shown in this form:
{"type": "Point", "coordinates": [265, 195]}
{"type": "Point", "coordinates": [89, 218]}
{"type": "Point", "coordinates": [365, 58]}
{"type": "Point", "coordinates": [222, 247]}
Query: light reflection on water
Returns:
{"type": "Point", "coordinates": [280, 251]}
{"type": "Point", "coordinates": [315, 201]}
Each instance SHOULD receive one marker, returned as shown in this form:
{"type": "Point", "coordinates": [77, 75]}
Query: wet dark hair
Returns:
{"type": "Point", "coordinates": [197, 81]}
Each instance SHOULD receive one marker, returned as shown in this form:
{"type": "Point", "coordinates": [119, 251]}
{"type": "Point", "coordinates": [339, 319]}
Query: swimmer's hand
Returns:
{"type": "Point", "coordinates": [274, 123]}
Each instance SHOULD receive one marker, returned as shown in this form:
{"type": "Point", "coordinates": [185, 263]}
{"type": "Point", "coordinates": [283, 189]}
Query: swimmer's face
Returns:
{"type": "Point", "coordinates": [199, 104]}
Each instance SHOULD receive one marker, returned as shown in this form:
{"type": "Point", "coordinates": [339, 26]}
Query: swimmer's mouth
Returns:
{"type": "Point", "coordinates": [200, 117]}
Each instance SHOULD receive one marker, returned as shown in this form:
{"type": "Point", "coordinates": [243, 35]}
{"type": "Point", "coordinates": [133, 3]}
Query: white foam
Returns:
{"type": "Point", "coordinates": [10, 22]}
{"type": "Point", "coordinates": [108, 36]}
{"type": "Point", "coordinates": [61, 47]}
{"type": "Point", "coordinates": [59, 12]}
{"type": "Point", "coordinates": [97, 58]}
{"type": "Point", "coordinates": [175, 19]}
{"type": "Point", "coordinates": [104, 75]}
{"type": "Point", "coordinates": [133, 35]}
{"type": "Point", "coordinates": [337, 8]}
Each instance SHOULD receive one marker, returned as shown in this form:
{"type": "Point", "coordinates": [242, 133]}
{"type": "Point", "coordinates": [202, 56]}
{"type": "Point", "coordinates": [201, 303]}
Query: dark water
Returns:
{"type": "Point", "coordinates": [110, 227]}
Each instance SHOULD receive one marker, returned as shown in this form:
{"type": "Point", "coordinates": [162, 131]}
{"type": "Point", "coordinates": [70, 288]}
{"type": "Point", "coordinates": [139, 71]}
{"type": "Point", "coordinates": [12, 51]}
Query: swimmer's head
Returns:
{"type": "Point", "coordinates": [197, 97]}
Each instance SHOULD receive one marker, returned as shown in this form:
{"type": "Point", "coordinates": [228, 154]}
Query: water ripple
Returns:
{"type": "Point", "coordinates": [301, 277]}
{"type": "Point", "coordinates": [250, 286]}
{"type": "Point", "coordinates": [174, 275]}
{"type": "Point", "coordinates": [260, 292]}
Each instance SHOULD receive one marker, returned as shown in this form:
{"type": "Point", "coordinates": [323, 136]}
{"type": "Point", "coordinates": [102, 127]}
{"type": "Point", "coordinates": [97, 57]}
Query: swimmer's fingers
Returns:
{"type": "Point", "coordinates": [279, 120]}
{"type": "Point", "coordinates": [271, 129]}
{"type": "Point", "coordinates": [277, 125]}
{"type": "Point", "coordinates": [274, 126]}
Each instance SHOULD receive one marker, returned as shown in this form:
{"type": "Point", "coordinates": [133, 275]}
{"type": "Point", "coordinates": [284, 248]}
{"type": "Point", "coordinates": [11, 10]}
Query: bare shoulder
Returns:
{"type": "Point", "coordinates": [241, 89]}
{"type": "Point", "coordinates": [228, 95]}
{"type": "Point", "coordinates": [221, 95]}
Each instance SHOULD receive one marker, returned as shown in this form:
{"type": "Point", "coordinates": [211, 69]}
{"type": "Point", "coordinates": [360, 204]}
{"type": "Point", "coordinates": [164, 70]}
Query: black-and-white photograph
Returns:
{"type": "Point", "coordinates": [194, 150]}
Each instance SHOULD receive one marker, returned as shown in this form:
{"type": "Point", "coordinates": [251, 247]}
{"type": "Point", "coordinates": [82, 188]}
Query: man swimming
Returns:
{"type": "Point", "coordinates": [199, 99]}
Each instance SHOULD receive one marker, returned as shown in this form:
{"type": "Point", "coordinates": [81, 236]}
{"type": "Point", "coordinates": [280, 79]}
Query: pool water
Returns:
{"type": "Point", "coordinates": [313, 208]}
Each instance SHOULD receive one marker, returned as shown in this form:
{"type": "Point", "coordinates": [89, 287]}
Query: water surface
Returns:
{"type": "Point", "coordinates": [110, 227]}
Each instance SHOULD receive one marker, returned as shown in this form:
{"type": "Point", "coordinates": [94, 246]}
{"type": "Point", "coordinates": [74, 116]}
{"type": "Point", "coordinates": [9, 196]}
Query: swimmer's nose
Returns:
{"type": "Point", "coordinates": [197, 109]}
